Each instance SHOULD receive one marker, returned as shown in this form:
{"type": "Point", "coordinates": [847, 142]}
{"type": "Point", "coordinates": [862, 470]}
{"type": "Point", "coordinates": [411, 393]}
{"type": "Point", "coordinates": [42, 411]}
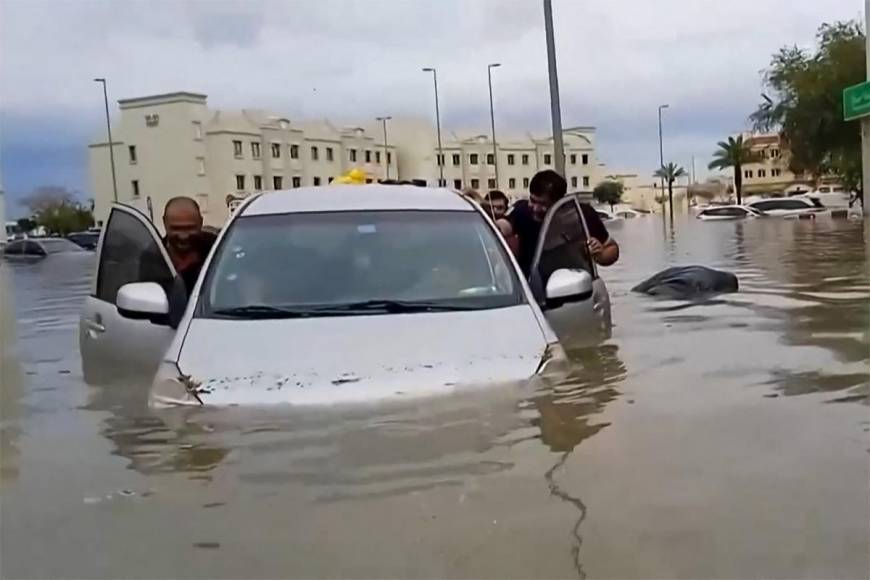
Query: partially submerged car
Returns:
{"type": "Point", "coordinates": [338, 294]}
{"type": "Point", "coordinates": [33, 249]}
{"type": "Point", "coordinates": [788, 207]}
{"type": "Point", "coordinates": [728, 212]}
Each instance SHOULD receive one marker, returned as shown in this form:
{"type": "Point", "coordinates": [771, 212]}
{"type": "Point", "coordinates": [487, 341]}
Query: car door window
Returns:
{"type": "Point", "coordinates": [562, 243]}
{"type": "Point", "coordinates": [14, 249]}
{"type": "Point", "coordinates": [130, 253]}
{"type": "Point", "coordinates": [33, 249]}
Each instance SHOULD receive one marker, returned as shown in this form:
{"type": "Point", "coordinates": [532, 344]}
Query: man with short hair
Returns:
{"type": "Point", "coordinates": [186, 242]}
{"type": "Point", "coordinates": [545, 189]}
{"type": "Point", "coordinates": [496, 204]}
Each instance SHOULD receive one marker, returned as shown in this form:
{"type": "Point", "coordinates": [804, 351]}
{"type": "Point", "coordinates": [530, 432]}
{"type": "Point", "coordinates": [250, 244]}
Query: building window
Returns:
{"type": "Point", "coordinates": [512, 183]}
{"type": "Point", "coordinates": [294, 152]}
{"type": "Point", "coordinates": [585, 181]}
{"type": "Point", "coordinates": [585, 159]}
{"type": "Point", "coordinates": [315, 154]}
{"type": "Point", "coordinates": [525, 159]}
{"type": "Point", "coordinates": [297, 181]}
{"type": "Point", "coordinates": [762, 173]}
{"type": "Point", "coordinates": [490, 183]}
{"type": "Point", "coordinates": [240, 182]}
{"type": "Point", "coordinates": [331, 177]}
{"type": "Point", "coordinates": [351, 154]}
{"type": "Point", "coordinates": [330, 156]}
{"type": "Point", "coordinates": [548, 159]}
{"type": "Point", "coordinates": [457, 184]}
{"type": "Point", "coordinates": [369, 180]}
{"type": "Point", "coordinates": [574, 182]}
{"type": "Point", "coordinates": [135, 187]}
{"type": "Point", "coordinates": [510, 158]}
{"type": "Point", "coordinates": [368, 156]}
{"type": "Point", "coordinates": [457, 159]}
{"type": "Point", "coordinates": [131, 149]}
{"type": "Point", "coordinates": [258, 182]}
{"type": "Point", "coordinates": [378, 157]}
{"type": "Point", "coordinates": [277, 182]}
{"type": "Point", "coordinates": [525, 181]}
{"type": "Point", "coordinates": [475, 183]}
{"type": "Point", "coordinates": [775, 172]}
{"type": "Point", "coordinates": [747, 174]}
{"type": "Point", "coordinates": [389, 157]}
{"type": "Point", "coordinates": [315, 181]}
{"type": "Point", "coordinates": [774, 153]}
{"type": "Point", "coordinates": [473, 160]}
{"type": "Point", "coordinates": [763, 154]}
{"type": "Point", "coordinates": [255, 149]}
{"type": "Point", "coordinates": [237, 149]}
{"type": "Point", "coordinates": [439, 159]}
{"type": "Point", "coordinates": [201, 165]}
{"type": "Point", "coordinates": [197, 130]}
{"type": "Point", "coordinates": [490, 159]}
{"type": "Point", "coordinates": [276, 151]}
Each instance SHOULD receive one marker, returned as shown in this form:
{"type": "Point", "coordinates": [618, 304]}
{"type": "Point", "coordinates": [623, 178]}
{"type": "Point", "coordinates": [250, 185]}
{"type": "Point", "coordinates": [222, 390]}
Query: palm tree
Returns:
{"type": "Point", "coordinates": [670, 173]}
{"type": "Point", "coordinates": [733, 153]}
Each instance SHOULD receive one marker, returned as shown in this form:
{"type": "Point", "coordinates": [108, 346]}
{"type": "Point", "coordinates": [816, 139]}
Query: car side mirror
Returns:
{"type": "Point", "coordinates": [143, 301]}
{"type": "Point", "coordinates": [567, 285]}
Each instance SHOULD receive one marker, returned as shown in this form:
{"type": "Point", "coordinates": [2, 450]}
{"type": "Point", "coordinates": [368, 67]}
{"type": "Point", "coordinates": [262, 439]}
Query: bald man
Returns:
{"type": "Point", "coordinates": [186, 242]}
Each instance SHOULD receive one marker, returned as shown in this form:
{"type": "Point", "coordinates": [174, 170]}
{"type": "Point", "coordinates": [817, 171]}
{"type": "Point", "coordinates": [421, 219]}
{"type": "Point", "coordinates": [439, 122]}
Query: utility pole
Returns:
{"type": "Point", "coordinates": [489, 68]}
{"type": "Point", "coordinates": [111, 143]}
{"type": "Point", "coordinates": [438, 127]}
{"type": "Point", "coordinates": [386, 153]}
{"type": "Point", "coordinates": [662, 156]}
{"type": "Point", "coordinates": [555, 107]}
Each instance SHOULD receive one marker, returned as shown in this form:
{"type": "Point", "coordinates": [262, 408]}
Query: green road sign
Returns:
{"type": "Point", "coordinates": [856, 101]}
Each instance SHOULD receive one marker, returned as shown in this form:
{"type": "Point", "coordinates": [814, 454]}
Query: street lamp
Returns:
{"type": "Point", "coordinates": [661, 149]}
{"type": "Point", "coordinates": [555, 108]}
{"type": "Point", "coordinates": [111, 144]}
{"type": "Point", "coordinates": [489, 68]}
{"type": "Point", "coordinates": [437, 126]}
{"type": "Point", "coordinates": [386, 153]}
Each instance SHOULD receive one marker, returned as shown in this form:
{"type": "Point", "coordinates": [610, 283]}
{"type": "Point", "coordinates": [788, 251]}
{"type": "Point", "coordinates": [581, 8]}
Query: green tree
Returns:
{"type": "Point", "coordinates": [26, 225]}
{"type": "Point", "coordinates": [733, 153]}
{"type": "Point", "coordinates": [609, 192]}
{"type": "Point", "coordinates": [670, 173]}
{"type": "Point", "coordinates": [58, 211]}
{"type": "Point", "coordinates": [805, 104]}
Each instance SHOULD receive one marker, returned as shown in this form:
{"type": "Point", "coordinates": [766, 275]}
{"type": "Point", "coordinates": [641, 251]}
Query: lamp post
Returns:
{"type": "Point", "coordinates": [437, 126]}
{"type": "Point", "coordinates": [555, 108]}
{"type": "Point", "coordinates": [489, 68]}
{"type": "Point", "coordinates": [661, 149]}
{"type": "Point", "coordinates": [386, 153]}
{"type": "Point", "coordinates": [111, 143]}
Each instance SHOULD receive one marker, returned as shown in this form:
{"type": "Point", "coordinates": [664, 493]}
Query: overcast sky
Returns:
{"type": "Point", "coordinates": [352, 60]}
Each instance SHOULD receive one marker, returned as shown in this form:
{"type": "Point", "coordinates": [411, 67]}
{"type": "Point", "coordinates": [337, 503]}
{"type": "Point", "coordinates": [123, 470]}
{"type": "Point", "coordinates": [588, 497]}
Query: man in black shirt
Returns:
{"type": "Point", "coordinates": [545, 189]}
{"type": "Point", "coordinates": [186, 242]}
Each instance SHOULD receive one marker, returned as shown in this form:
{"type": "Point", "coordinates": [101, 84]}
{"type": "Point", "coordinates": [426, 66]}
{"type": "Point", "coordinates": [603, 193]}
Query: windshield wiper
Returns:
{"type": "Point", "coordinates": [263, 311]}
{"type": "Point", "coordinates": [393, 307]}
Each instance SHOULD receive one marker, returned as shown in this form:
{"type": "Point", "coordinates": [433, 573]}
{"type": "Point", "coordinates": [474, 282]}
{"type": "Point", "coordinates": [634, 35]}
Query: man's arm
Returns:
{"type": "Point", "coordinates": [604, 249]}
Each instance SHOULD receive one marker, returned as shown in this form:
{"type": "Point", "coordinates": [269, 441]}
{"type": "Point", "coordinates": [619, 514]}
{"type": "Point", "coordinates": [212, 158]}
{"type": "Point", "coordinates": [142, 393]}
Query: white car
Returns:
{"type": "Point", "coordinates": [788, 206]}
{"type": "Point", "coordinates": [607, 216]}
{"type": "Point", "coordinates": [630, 214]}
{"type": "Point", "coordinates": [340, 294]}
{"type": "Point", "coordinates": [38, 248]}
{"type": "Point", "coordinates": [727, 212]}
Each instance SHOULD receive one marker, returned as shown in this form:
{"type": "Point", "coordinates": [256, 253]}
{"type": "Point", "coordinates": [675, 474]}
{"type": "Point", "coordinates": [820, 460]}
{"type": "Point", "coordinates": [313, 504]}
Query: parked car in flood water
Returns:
{"type": "Point", "coordinates": [38, 248]}
{"type": "Point", "coordinates": [728, 212]}
{"type": "Point", "coordinates": [342, 293]}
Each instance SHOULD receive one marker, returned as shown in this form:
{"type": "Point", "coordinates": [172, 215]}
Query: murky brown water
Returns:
{"type": "Point", "coordinates": [728, 439]}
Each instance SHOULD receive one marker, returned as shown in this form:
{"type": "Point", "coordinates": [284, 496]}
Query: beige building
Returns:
{"type": "Point", "coordinates": [173, 144]}
{"type": "Point", "coordinates": [645, 192]}
{"type": "Point", "coordinates": [770, 174]}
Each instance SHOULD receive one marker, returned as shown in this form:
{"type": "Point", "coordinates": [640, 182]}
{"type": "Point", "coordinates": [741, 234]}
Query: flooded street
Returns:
{"type": "Point", "coordinates": [727, 439]}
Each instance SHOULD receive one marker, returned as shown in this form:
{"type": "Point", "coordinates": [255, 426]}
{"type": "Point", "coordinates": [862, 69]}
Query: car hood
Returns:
{"type": "Point", "coordinates": [332, 360]}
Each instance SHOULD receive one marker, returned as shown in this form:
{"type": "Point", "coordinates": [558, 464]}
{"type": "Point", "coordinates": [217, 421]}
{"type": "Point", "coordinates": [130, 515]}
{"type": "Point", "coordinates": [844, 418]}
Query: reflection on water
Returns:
{"type": "Point", "coordinates": [695, 442]}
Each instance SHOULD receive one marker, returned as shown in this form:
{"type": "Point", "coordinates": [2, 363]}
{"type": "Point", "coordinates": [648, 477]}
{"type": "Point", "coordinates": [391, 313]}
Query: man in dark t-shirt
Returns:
{"type": "Point", "coordinates": [545, 189]}
{"type": "Point", "coordinates": [186, 242]}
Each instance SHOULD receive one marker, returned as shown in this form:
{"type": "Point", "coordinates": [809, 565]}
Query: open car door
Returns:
{"type": "Point", "coordinates": [111, 345]}
{"type": "Point", "coordinates": [565, 279]}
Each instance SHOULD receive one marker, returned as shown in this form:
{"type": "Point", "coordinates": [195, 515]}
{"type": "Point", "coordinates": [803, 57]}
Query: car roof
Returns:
{"type": "Point", "coordinates": [357, 198]}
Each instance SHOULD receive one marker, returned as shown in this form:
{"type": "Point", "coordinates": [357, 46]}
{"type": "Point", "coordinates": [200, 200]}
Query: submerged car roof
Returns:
{"type": "Point", "coordinates": [357, 198]}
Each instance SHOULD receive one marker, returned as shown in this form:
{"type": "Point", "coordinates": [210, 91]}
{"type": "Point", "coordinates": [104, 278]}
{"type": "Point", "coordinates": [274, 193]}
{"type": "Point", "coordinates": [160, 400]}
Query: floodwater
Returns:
{"type": "Point", "coordinates": [727, 439]}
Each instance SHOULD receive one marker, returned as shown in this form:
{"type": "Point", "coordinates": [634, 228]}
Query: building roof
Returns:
{"type": "Point", "coordinates": [371, 197]}
{"type": "Point", "coordinates": [163, 99]}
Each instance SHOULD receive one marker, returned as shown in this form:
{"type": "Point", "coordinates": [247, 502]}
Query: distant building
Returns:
{"type": "Point", "coordinates": [173, 144]}
{"type": "Point", "coordinates": [771, 173]}
{"type": "Point", "coordinates": [645, 193]}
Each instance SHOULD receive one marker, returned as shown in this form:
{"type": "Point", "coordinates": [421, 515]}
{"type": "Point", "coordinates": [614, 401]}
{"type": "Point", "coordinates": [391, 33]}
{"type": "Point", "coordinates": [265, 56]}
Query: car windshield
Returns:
{"type": "Point", "coordinates": [320, 264]}
{"type": "Point", "coordinates": [59, 245]}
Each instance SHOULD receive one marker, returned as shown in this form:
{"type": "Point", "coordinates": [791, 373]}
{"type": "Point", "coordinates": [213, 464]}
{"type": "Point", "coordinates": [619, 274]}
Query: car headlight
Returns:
{"type": "Point", "coordinates": [171, 387]}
